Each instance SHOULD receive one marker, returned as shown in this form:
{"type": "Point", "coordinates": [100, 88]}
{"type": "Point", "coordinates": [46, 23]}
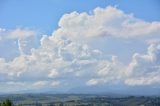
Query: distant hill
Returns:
{"type": "Point", "coordinates": [79, 100]}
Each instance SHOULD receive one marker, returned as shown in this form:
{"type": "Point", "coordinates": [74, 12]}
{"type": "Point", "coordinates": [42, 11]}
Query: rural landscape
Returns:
{"type": "Point", "coordinates": [76, 100]}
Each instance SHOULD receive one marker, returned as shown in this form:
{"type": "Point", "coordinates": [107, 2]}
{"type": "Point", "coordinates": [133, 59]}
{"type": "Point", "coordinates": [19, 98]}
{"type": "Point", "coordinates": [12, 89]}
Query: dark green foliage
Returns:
{"type": "Point", "coordinates": [7, 102]}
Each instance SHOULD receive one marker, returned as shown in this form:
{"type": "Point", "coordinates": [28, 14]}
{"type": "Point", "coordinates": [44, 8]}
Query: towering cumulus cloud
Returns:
{"type": "Point", "coordinates": [68, 59]}
{"type": "Point", "coordinates": [145, 69]}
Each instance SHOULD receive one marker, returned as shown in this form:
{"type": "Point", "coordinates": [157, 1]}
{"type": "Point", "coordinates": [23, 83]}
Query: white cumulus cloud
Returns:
{"type": "Point", "coordinates": [109, 22]}
{"type": "Point", "coordinates": [145, 69]}
{"type": "Point", "coordinates": [67, 57]}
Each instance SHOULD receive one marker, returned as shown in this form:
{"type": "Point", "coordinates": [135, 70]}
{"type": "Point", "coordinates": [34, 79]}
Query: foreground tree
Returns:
{"type": "Point", "coordinates": [7, 102]}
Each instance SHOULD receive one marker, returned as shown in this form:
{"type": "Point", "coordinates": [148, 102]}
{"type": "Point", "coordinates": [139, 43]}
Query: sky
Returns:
{"type": "Point", "coordinates": [93, 46]}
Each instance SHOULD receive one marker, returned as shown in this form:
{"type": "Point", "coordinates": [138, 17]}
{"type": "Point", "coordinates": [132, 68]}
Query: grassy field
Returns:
{"type": "Point", "coordinates": [79, 100]}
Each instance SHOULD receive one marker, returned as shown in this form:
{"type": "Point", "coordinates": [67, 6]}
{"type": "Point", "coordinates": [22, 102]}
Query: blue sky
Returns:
{"type": "Point", "coordinates": [44, 15]}
{"type": "Point", "coordinates": [64, 45]}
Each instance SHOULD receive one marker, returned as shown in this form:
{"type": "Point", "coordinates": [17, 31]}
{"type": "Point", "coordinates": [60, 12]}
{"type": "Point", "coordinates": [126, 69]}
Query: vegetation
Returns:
{"type": "Point", "coordinates": [7, 102]}
{"type": "Point", "coordinates": [76, 100]}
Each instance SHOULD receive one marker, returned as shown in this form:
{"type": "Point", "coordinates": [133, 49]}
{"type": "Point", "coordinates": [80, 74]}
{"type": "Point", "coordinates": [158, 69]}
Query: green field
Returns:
{"type": "Point", "coordinates": [79, 100]}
